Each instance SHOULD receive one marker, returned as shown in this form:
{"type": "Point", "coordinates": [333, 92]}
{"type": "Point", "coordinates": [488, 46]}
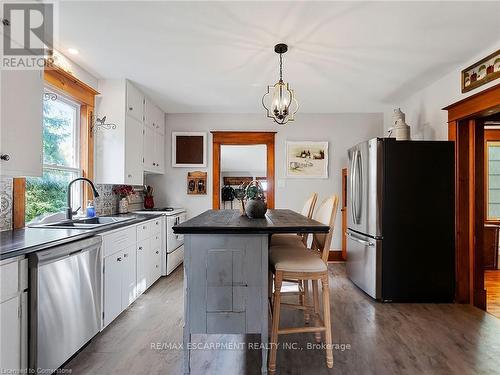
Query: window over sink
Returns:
{"type": "Point", "coordinates": [61, 158]}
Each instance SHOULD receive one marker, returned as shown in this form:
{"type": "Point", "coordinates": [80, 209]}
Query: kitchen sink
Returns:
{"type": "Point", "coordinates": [93, 222]}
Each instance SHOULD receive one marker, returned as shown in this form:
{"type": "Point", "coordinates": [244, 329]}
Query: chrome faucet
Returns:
{"type": "Point", "coordinates": [69, 210]}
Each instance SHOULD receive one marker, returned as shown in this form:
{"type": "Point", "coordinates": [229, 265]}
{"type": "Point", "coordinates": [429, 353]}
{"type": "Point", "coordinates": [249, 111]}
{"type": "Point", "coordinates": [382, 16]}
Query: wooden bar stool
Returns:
{"type": "Point", "coordinates": [294, 239]}
{"type": "Point", "coordinates": [293, 263]}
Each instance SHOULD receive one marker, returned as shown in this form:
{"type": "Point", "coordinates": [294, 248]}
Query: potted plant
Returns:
{"type": "Point", "coordinates": [123, 192]}
{"type": "Point", "coordinates": [255, 206]}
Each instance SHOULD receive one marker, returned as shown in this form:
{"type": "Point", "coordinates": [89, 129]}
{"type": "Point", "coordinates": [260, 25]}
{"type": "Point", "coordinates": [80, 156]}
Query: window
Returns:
{"type": "Point", "coordinates": [493, 153]}
{"type": "Point", "coordinates": [61, 162]}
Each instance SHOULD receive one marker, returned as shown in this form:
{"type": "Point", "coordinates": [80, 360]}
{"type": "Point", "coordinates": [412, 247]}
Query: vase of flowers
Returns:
{"type": "Point", "coordinates": [255, 206]}
{"type": "Point", "coordinates": [123, 192]}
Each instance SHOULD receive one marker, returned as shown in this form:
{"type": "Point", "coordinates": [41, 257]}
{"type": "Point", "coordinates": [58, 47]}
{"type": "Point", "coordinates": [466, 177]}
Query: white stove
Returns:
{"type": "Point", "coordinates": [173, 244]}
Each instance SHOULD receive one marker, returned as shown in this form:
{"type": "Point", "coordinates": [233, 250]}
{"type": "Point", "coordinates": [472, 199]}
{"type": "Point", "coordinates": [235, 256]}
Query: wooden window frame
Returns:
{"type": "Point", "coordinates": [220, 138]}
{"type": "Point", "coordinates": [82, 93]}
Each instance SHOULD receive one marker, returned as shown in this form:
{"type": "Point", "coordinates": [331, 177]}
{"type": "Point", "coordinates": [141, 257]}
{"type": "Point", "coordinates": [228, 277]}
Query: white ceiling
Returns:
{"type": "Point", "coordinates": [243, 158]}
{"type": "Point", "coordinates": [218, 56]}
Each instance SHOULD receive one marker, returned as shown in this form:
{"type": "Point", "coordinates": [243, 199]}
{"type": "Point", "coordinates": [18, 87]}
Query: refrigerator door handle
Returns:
{"type": "Point", "coordinates": [359, 186]}
{"type": "Point", "coordinates": [359, 240]}
{"type": "Point", "coordinates": [353, 182]}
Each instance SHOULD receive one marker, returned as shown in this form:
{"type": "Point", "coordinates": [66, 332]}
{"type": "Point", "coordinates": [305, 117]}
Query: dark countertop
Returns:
{"type": "Point", "coordinates": [231, 222]}
{"type": "Point", "coordinates": [27, 240]}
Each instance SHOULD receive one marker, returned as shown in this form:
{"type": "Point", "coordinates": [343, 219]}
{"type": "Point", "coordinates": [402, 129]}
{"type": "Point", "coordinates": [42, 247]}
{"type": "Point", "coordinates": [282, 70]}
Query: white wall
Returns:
{"type": "Point", "coordinates": [424, 109]}
{"type": "Point", "coordinates": [341, 130]}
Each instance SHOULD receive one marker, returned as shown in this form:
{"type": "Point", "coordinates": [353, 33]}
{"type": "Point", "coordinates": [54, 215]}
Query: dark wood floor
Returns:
{"type": "Point", "coordinates": [383, 339]}
{"type": "Point", "coordinates": [492, 286]}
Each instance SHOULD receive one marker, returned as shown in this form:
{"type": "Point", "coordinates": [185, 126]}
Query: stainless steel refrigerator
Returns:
{"type": "Point", "coordinates": [400, 209]}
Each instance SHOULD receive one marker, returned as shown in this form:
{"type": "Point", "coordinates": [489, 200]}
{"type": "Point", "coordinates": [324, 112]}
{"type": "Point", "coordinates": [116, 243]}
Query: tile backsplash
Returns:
{"type": "Point", "coordinates": [5, 203]}
{"type": "Point", "coordinates": [107, 202]}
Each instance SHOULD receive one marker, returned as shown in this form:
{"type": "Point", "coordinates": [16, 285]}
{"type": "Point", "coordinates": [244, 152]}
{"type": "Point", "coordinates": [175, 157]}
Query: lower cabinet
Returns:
{"type": "Point", "coordinates": [14, 316]}
{"type": "Point", "coordinates": [129, 271]}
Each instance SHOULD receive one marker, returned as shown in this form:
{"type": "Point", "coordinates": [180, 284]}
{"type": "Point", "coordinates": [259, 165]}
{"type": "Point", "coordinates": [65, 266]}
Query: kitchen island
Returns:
{"type": "Point", "coordinates": [226, 272]}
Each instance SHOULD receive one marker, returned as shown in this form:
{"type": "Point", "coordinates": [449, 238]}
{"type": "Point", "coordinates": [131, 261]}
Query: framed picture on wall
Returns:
{"type": "Point", "coordinates": [484, 71]}
{"type": "Point", "coordinates": [189, 149]}
{"type": "Point", "coordinates": [306, 159]}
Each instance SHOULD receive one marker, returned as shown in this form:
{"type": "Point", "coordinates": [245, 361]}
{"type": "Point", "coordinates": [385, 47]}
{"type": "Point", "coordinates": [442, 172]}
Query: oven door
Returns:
{"type": "Point", "coordinates": [174, 240]}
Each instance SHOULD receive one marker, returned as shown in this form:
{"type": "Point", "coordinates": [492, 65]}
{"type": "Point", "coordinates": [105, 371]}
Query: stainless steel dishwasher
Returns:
{"type": "Point", "coordinates": [65, 301]}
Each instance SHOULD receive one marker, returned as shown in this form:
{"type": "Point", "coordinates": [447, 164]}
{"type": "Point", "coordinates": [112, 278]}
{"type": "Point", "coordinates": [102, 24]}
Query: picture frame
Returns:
{"type": "Point", "coordinates": [306, 159]}
{"type": "Point", "coordinates": [189, 149]}
{"type": "Point", "coordinates": [480, 73]}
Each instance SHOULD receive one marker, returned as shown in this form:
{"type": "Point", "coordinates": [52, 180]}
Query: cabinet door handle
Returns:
{"type": "Point", "coordinates": [130, 108]}
{"type": "Point", "coordinates": [129, 175]}
{"type": "Point", "coordinates": [125, 255]}
{"type": "Point", "coordinates": [5, 157]}
{"type": "Point", "coordinates": [157, 252]}
{"type": "Point", "coordinates": [140, 248]}
{"type": "Point", "coordinates": [144, 227]}
{"type": "Point", "coordinates": [119, 259]}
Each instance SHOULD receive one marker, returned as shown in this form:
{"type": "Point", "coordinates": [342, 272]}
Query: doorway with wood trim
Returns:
{"type": "Point", "coordinates": [235, 138]}
{"type": "Point", "coordinates": [466, 127]}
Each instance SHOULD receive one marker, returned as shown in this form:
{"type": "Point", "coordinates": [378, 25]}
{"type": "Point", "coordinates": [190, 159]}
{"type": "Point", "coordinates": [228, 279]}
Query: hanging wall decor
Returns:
{"type": "Point", "coordinates": [307, 159]}
{"type": "Point", "coordinates": [484, 71]}
{"type": "Point", "coordinates": [189, 149]}
{"type": "Point", "coordinates": [197, 183]}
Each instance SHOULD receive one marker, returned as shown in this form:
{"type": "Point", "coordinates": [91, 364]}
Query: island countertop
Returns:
{"type": "Point", "coordinates": [232, 222]}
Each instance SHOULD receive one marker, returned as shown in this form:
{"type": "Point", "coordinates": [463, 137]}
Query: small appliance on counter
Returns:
{"type": "Point", "coordinates": [401, 221]}
{"type": "Point", "coordinates": [173, 248]}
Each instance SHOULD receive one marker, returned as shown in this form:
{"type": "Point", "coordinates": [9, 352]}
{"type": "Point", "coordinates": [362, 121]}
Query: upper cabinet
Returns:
{"type": "Point", "coordinates": [21, 149]}
{"type": "Point", "coordinates": [154, 138]}
{"type": "Point", "coordinates": [135, 102]}
{"type": "Point", "coordinates": [125, 153]}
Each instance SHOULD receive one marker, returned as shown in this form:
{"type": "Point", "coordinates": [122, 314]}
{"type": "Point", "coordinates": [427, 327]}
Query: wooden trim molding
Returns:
{"type": "Point", "coordinates": [18, 202]}
{"type": "Point", "coordinates": [242, 138]}
{"type": "Point", "coordinates": [64, 81]}
{"type": "Point", "coordinates": [486, 102]}
{"type": "Point", "coordinates": [336, 256]}
{"type": "Point", "coordinates": [466, 129]}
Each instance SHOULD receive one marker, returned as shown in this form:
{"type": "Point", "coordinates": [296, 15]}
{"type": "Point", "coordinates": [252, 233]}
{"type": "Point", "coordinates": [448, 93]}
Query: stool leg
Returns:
{"type": "Point", "coordinates": [276, 321]}
{"type": "Point", "coordinates": [306, 300]}
{"type": "Point", "coordinates": [317, 335]}
{"type": "Point", "coordinates": [326, 318]}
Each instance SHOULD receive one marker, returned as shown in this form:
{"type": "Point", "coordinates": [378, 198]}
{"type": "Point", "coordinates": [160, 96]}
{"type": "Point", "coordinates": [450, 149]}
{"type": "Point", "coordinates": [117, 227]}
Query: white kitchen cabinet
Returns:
{"type": "Point", "coordinates": [135, 102]}
{"type": "Point", "coordinates": [149, 152]}
{"type": "Point", "coordinates": [159, 150]}
{"type": "Point", "coordinates": [153, 116]}
{"type": "Point", "coordinates": [112, 288]}
{"type": "Point", "coordinates": [21, 119]}
{"type": "Point", "coordinates": [14, 315]}
{"type": "Point", "coordinates": [123, 154]}
{"type": "Point", "coordinates": [119, 151]}
{"type": "Point", "coordinates": [129, 280]}
{"type": "Point", "coordinates": [132, 263]}
{"type": "Point", "coordinates": [143, 266]}
{"type": "Point", "coordinates": [119, 283]}
{"type": "Point", "coordinates": [154, 151]}
{"type": "Point", "coordinates": [133, 152]}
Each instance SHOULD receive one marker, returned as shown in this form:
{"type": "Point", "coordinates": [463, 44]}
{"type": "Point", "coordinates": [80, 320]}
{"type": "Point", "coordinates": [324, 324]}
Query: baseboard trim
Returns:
{"type": "Point", "coordinates": [335, 256]}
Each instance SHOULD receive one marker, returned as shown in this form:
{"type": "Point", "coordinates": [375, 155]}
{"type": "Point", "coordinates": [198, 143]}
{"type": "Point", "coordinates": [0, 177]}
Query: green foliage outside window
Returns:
{"type": "Point", "coordinates": [47, 194]}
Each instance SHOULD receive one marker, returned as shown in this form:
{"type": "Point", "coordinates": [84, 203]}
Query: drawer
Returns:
{"type": "Point", "coordinates": [156, 241]}
{"type": "Point", "coordinates": [144, 230]}
{"type": "Point", "coordinates": [226, 323]}
{"type": "Point", "coordinates": [119, 240]}
{"type": "Point", "coordinates": [156, 226]}
{"type": "Point", "coordinates": [9, 277]}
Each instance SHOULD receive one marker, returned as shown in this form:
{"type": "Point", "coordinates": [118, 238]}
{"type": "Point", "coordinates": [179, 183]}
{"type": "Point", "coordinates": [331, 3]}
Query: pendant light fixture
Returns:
{"type": "Point", "coordinates": [279, 101]}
